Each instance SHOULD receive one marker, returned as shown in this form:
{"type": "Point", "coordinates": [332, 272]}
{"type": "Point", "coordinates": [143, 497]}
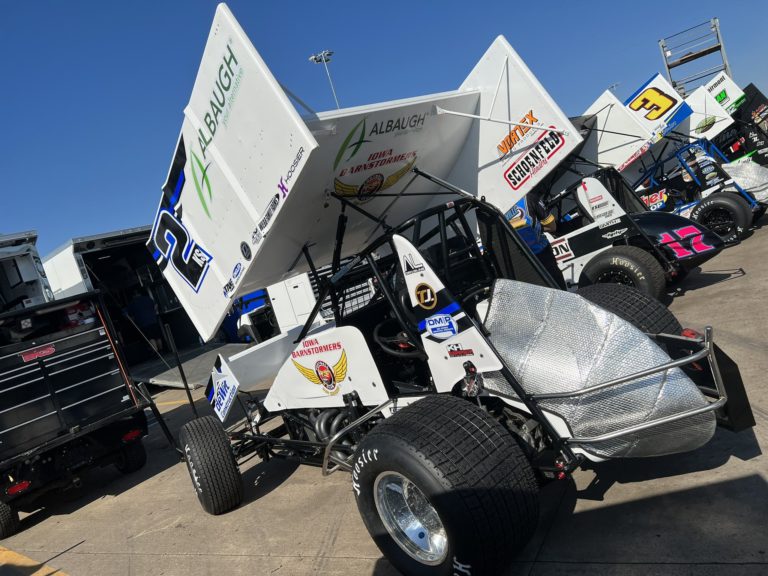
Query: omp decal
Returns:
{"type": "Point", "coordinates": [324, 375]}
{"type": "Point", "coordinates": [425, 296]}
{"type": "Point", "coordinates": [36, 353]}
{"type": "Point", "coordinates": [562, 250]}
{"type": "Point", "coordinates": [456, 350]}
{"type": "Point", "coordinates": [538, 156]}
{"type": "Point", "coordinates": [448, 310]}
{"type": "Point", "coordinates": [410, 266]}
{"type": "Point", "coordinates": [365, 457]}
{"type": "Point", "coordinates": [656, 102]}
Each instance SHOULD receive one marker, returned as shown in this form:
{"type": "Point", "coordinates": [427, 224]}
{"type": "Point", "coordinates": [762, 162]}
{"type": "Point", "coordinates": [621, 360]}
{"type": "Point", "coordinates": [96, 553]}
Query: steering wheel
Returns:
{"type": "Point", "coordinates": [398, 345]}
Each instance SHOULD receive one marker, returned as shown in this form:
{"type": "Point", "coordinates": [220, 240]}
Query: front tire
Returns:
{"type": "Point", "coordinates": [211, 465]}
{"type": "Point", "coordinates": [637, 308]}
{"type": "Point", "coordinates": [628, 265]}
{"type": "Point", "coordinates": [443, 488]}
{"type": "Point", "coordinates": [132, 457]}
{"type": "Point", "coordinates": [726, 214]}
{"type": "Point", "coordinates": [9, 521]}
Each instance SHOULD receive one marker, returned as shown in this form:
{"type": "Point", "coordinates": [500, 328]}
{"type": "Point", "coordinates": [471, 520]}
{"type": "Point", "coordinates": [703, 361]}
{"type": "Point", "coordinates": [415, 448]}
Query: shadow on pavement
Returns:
{"type": "Point", "coordinates": [697, 279]}
{"type": "Point", "coordinates": [716, 453]}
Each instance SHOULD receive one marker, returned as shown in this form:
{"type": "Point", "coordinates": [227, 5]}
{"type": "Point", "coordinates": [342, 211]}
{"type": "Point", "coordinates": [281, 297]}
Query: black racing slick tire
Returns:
{"type": "Point", "coordinates": [9, 521]}
{"type": "Point", "coordinates": [627, 265]}
{"type": "Point", "coordinates": [632, 305]}
{"type": "Point", "coordinates": [443, 489]}
{"type": "Point", "coordinates": [728, 215]}
{"type": "Point", "coordinates": [132, 457]}
{"type": "Point", "coordinates": [211, 465]}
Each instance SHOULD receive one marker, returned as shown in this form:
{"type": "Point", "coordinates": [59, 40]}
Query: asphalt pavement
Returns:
{"type": "Point", "coordinates": [704, 512]}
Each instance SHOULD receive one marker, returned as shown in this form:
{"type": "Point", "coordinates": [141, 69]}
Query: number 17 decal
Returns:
{"type": "Point", "coordinates": [698, 246]}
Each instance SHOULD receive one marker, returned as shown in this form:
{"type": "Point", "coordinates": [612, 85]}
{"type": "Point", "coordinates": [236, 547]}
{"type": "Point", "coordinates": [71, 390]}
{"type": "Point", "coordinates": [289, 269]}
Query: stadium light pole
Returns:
{"type": "Point", "coordinates": [325, 57]}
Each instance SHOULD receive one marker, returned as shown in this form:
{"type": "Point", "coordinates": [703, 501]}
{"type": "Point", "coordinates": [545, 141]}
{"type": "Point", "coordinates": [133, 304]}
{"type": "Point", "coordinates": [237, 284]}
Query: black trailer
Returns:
{"type": "Point", "coordinates": [67, 402]}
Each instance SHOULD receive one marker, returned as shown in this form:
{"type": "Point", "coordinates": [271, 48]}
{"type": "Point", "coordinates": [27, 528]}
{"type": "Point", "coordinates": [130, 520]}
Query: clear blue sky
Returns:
{"type": "Point", "coordinates": [92, 91]}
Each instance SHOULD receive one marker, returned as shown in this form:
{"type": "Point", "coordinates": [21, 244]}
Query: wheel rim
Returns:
{"type": "Point", "coordinates": [616, 277]}
{"type": "Point", "coordinates": [720, 220]}
{"type": "Point", "coordinates": [410, 519]}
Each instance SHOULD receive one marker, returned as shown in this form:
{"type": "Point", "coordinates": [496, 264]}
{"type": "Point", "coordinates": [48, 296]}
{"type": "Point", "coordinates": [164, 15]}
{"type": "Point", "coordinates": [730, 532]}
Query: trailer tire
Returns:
{"type": "Point", "coordinates": [132, 457]}
{"type": "Point", "coordinates": [634, 306]}
{"type": "Point", "coordinates": [9, 520]}
{"type": "Point", "coordinates": [455, 463]}
{"type": "Point", "coordinates": [211, 465]}
{"type": "Point", "coordinates": [628, 265]}
{"type": "Point", "coordinates": [726, 214]}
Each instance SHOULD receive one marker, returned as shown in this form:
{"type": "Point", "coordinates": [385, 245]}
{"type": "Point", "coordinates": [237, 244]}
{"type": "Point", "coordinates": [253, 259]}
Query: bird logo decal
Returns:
{"type": "Point", "coordinates": [325, 376]}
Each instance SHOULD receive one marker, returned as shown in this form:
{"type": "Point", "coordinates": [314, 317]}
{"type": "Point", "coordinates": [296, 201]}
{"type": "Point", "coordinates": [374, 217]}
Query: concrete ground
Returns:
{"type": "Point", "coordinates": [704, 512]}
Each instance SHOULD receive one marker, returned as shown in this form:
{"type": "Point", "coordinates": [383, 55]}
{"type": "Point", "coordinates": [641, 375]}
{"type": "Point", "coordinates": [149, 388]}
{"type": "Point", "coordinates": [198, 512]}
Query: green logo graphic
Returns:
{"type": "Point", "coordinates": [347, 144]}
{"type": "Point", "coordinates": [202, 184]}
{"type": "Point", "coordinates": [721, 96]}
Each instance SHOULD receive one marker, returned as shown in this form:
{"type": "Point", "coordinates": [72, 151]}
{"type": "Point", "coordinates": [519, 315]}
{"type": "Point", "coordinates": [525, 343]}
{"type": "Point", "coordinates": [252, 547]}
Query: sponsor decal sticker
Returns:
{"type": "Point", "coordinates": [595, 198]}
{"type": "Point", "coordinates": [269, 212]}
{"type": "Point", "coordinates": [245, 250]}
{"type": "Point", "coordinates": [655, 200]}
{"type": "Point", "coordinates": [516, 135]}
{"type": "Point", "coordinates": [614, 233]}
{"type": "Point", "coordinates": [654, 101]}
{"type": "Point", "coordinates": [441, 326]}
{"type": "Point", "coordinates": [410, 266]}
{"type": "Point", "coordinates": [609, 224]}
{"type": "Point", "coordinates": [311, 346]}
{"type": "Point", "coordinates": [324, 375]}
{"type": "Point", "coordinates": [425, 296]}
{"type": "Point", "coordinates": [36, 353]}
{"type": "Point", "coordinates": [457, 350]}
{"type": "Point", "coordinates": [536, 158]}
{"type": "Point", "coordinates": [562, 250]}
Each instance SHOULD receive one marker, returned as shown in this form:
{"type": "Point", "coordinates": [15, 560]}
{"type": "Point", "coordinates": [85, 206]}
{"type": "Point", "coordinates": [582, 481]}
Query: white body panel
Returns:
{"type": "Point", "coordinates": [342, 355]}
{"type": "Point", "coordinates": [708, 118]}
{"type": "Point", "coordinates": [511, 160]}
{"type": "Point", "coordinates": [65, 273]}
{"type": "Point", "coordinates": [249, 181]}
{"type": "Point", "coordinates": [618, 136]}
{"type": "Point", "coordinates": [292, 301]}
{"type": "Point", "coordinates": [446, 342]}
{"type": "Point", "coordinates": [240, 153]}
{"type": "Point", "coordinates": [726, 92]}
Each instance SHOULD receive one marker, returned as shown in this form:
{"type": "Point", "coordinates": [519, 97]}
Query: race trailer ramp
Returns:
{"type": "Point", "coordinates": [253, 187]}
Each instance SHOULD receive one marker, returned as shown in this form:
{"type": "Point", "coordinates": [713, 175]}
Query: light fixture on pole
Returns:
{"type": "Point", "coordinates": [325, 57]}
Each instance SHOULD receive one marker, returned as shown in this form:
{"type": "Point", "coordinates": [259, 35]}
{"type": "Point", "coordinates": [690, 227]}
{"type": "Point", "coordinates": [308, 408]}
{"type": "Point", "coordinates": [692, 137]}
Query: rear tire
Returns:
{"type": "Point", "coordinates": [726, 214]}
{"type": "Point", "coordinates": [632, 305]}
{"type": "Point", "coordinates": [211, 465]}
{"type": "Point", "coordinates": [9, 521]}
{"type": "Point", "coordinates": [132, 457]}
{"type": "Point", "coordinates": [628, 265]}
{"type": "Point", "coordinates": [451, 466]}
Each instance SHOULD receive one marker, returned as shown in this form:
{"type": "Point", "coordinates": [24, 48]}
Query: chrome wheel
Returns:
{"type": "Point", "coordinates": [410, 519]}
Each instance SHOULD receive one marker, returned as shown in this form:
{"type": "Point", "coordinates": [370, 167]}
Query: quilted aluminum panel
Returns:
{"type": "Point", "coordinates": [556, 341]}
